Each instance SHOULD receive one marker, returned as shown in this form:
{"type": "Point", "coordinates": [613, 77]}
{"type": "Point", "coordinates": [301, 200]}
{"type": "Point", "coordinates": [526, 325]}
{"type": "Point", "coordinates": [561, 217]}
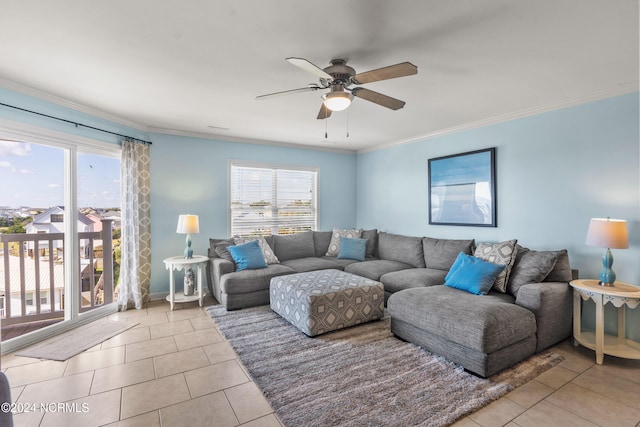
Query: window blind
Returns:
{"type": "Point", "coordinates": [272, 200]}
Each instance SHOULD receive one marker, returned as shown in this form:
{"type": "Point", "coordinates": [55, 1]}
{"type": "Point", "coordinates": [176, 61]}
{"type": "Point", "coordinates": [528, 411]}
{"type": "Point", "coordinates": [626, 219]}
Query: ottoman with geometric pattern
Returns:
{"type": "Point", "coordinates": [321, 301]}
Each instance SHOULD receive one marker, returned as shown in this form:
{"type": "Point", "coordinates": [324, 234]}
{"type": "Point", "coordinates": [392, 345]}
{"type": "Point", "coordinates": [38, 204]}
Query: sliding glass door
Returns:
{"type": "Point", "coordinates": [60, 219]}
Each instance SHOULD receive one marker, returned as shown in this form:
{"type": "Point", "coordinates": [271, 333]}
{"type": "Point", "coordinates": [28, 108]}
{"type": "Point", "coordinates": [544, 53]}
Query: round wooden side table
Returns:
{"type": "Point", "coordinates": [621, 295]}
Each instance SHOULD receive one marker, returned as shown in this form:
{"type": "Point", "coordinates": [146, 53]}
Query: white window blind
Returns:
{"type": "Point", "coordinates": [272, 199]}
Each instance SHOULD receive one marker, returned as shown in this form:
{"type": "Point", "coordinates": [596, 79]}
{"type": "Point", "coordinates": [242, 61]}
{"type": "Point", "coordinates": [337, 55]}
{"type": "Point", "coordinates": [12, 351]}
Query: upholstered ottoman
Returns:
{"type": "Point", "coordinates": [321, 301]}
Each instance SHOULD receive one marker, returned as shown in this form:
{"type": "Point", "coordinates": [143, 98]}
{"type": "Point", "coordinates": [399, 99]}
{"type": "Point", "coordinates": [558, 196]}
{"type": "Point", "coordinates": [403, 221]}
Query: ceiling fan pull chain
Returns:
{"type": "Point", "coordinates": [325, 128]}
{"type": "Point", "coordinates": [347, 123]}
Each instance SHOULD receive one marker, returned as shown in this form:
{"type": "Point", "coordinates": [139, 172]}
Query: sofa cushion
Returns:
{"type": "Point", "coordinates": [342, 262]}
{"type": "Point", "coordinates": [372, 242]}
{"type": "Point", "coordinates": [374, 269]}
{"type": "Point", "coordinates": [440, 253]}
{"type": "Point", "coordinates": [247, 256]}
{"type": "Point", "coordinates": [404, 249]}
{"type": "Point", "coordinates": [483, 323]}
{"type": "Point", "coordinates": [267, 252]}
{"type": "Point", "coordinates": [240, 282]}
{"type": "Point", "coordinates": [471, 274]}
{"type": "Point", "coordinates": [499, 253]}
{"type": "Point", "coordinates": [412, 278]}
{"type": "Point", "coordinates": [337, 234]}
{"type": "Point", "coordinates": [302, 265]}
{"type": "Point", "coordinates": [530, 267]}
{"type": "Point", "coordinates": [321, 241]}
{"type": "Point", "coordinates": [294, 246]}
{"type": "Point", "coordinates": [561, 272]}
{"type": "Point", "coordinates": [352, 249]}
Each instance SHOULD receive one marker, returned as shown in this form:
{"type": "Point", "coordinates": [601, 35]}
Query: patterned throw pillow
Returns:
{"type": "Point", "coordinates": [269, 256]}
{"type": "Point", "coordinates": [503, 253]}
{"type": "Point", "coordinates": [334, 245]}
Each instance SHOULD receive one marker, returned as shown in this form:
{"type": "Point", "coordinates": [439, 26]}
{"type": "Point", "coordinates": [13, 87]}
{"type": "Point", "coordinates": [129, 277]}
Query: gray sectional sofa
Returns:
{"type": "Point", "coordinates": [485, 334]}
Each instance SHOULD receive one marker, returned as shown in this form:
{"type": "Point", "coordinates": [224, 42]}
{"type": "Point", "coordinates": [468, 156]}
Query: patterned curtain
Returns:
{"type": "Point", "coordinates": [135, 266]}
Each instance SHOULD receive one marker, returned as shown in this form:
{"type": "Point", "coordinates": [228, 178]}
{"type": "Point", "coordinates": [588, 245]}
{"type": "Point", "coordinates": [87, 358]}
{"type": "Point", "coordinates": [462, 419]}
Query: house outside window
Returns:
{"type": "Point", "coordinates": [272, 199]}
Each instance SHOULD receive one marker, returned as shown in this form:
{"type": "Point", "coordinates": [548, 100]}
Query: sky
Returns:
{"type": "Point", "coordinates": [33, 175]}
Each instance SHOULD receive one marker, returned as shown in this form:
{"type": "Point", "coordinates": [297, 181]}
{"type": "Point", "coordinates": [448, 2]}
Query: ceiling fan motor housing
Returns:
{"type": "Point", "coordinates": [340, 72]}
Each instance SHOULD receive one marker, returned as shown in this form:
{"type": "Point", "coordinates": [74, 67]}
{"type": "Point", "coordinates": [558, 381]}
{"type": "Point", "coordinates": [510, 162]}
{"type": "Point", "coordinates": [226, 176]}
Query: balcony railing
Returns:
{"type": "Point", "coordinates": [32, 284]}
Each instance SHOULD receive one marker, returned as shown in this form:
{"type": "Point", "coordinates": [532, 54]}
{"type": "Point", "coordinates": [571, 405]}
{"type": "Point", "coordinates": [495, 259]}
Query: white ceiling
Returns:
{"type": "Point", "coordinates": [181, 66]}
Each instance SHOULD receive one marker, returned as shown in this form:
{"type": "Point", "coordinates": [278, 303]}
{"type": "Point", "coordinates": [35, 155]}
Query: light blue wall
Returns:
{"type": "Point", "coordinates": [190, 175]}
{"type": "Point", "coordinates": [555, 171]}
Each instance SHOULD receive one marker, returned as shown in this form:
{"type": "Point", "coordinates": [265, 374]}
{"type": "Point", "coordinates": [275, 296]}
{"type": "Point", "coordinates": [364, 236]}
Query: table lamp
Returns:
{"type": "Point", "coordinates": [188, 224]}
{"type": "Point", "coordinates": [611, 234]}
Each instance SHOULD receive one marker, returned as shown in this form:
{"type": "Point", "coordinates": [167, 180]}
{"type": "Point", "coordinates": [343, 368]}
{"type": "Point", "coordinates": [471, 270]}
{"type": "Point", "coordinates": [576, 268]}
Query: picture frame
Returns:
{"type": "Point", "coordinates": [462, 189]}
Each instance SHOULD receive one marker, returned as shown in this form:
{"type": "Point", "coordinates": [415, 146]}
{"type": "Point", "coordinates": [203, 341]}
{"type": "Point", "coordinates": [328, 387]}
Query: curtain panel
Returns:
{"type": "Point", "coordinates": [135, 267]}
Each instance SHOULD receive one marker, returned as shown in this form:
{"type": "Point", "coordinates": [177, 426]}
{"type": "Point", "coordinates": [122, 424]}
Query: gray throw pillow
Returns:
{"type": "Point", "coordinates": [503, 253]}
{"type": "Point", "coordinates": [530, 267]}
{"type": "Point", "coordinates": [562, 270]}
{"type": "Point", "coordinates": [372, 242]}
{"type": "Point", "coordinates": [214, 243]}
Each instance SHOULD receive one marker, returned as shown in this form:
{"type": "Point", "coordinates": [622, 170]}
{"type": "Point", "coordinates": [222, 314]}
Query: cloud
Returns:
{"type": "Point", "coordinates": [26, 172]}
{"type": "Point", "coordinates": [15, 148]}
{"type": "Point", "coordinates": [53, 185]}
{"type": "Point", "coordinates": [4, 164]}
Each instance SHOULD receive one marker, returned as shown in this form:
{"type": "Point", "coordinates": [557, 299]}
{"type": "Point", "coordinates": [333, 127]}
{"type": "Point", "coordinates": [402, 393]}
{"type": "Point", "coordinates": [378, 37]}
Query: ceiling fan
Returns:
{"type": "Point", "coordinates": [339, 76]}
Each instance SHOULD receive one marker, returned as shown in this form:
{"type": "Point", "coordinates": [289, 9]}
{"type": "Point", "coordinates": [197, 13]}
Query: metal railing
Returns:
{"type": "Point", "coordinates": [39, 274]}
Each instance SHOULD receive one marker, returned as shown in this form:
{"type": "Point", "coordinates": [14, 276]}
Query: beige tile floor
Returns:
{"type": "Point", "coordinates": [175, 369]}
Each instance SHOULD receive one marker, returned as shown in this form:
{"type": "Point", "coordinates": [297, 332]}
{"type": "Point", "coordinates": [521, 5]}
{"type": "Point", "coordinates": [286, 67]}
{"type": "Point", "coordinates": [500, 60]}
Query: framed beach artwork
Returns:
{"type": "Point", "coordinates": [462, 189]}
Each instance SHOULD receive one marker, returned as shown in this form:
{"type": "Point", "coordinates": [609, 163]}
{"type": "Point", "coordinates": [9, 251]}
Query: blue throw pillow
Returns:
{"type": "Point", "coordinates": [247, 256]}
{"type": "Point", "coordinates": [352, 248]}
{"type": "Point", "coordinates": [473, 275]}
{"type": "Point", "coordinates": [461, 256]}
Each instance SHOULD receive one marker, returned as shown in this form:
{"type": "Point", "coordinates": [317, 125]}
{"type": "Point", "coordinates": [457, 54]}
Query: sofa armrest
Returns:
{"type": "Point", "coordinates": [217, 268]}
{"type": "Point", "coordinates": [551, 303]}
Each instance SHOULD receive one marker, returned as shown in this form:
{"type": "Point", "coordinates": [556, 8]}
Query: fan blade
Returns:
{"type": "Point", "coordinates": [287, 92]}
{"type": "Point", "coordinates": [378, 98]}
{"type": "Point", "coordinates": [307, 66]}
{"type": "Point", "coordinates": [324, 112]}
{"type": "Point", "coordinates": [391, 72]}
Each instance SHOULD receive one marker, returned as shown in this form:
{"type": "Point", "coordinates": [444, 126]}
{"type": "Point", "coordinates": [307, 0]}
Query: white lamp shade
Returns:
{"type": "Point", "coordinates": [337, 101]}
{"type": "Point", "coordinates": [608, 233]}
{"type": "Point", "coordinates": [188, 224]}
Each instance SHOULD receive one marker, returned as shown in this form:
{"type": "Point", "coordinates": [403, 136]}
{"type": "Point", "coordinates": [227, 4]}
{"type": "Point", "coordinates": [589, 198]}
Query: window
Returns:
{"type": "Point", "coordinates": [268, 199]}
{"type": "Point", "coordinates": [57, 218]}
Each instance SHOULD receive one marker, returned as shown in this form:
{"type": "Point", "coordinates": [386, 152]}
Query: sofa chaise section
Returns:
{"type": "Point", "coordinates": [484, 334]}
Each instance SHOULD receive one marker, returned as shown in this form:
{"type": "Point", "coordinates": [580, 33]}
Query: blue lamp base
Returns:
{"type": "Point", "coordinates": [607, 276]}
{"type": "Point", "coordinates": [188, 252]}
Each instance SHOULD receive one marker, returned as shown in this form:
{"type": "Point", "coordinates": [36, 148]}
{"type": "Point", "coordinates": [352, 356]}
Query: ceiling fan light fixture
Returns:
{"type": "Point", "coordinates": [337, 101]}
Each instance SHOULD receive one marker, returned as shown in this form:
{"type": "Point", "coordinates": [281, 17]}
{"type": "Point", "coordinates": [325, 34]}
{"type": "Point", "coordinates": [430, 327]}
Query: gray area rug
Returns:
{"type": "Point", "coordinates": [68, 344]}
{"type": "Point", "coordinates": [359, 376]}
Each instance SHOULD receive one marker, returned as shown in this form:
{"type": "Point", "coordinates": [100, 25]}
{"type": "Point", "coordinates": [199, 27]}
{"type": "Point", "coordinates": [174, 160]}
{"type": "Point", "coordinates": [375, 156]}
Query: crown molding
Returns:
{"type": "Point", "coordinates": [227, 138]}
{"type": "Point", "coordinates": [63, 102]}
{"type": "Point", "coordinates": [621, 89]}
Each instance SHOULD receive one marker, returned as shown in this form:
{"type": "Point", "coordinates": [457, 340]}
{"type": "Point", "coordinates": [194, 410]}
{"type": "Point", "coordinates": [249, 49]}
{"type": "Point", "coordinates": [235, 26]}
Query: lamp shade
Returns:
{"type": "Point", "coordinates": [188, 224]}
{"type": "Point", "coordinates": [608, 233]}
{"type": "Point", "coordinates": [338, 100]}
